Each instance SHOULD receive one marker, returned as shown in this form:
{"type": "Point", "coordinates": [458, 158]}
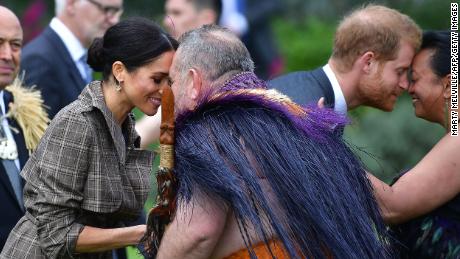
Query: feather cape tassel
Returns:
{"type": "Point", "coordinates": [29, 111]}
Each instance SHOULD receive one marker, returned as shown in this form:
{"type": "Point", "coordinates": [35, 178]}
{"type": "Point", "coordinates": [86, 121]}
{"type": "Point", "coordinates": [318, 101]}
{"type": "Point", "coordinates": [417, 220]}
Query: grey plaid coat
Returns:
{"type": "Point", "coordinates": [87, 170]}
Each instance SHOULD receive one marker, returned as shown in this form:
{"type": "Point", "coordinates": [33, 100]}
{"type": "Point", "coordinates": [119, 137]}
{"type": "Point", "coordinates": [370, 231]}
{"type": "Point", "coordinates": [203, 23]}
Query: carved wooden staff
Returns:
{"type": "Point", "coordinates": [162, 213]}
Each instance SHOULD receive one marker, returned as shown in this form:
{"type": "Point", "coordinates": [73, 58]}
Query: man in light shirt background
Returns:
{"type": "Point", "coordinates": [55, 61]}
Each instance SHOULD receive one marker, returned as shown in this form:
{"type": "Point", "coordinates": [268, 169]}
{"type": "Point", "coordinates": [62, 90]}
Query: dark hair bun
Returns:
{"type": "Point", "coordinates": [134, 41]}
{"type": "Point", "coordinates": [96, 57]}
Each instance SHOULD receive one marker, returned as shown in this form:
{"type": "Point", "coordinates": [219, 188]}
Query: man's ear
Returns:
{"type": "Point", "coordinates": [118, 70]}
{"type": "Point", "coordinates": [446, 86]}
{"type": "Point", "coordinates": [197, 83]}
{"type": "Point", "coordinates": [366, 62]}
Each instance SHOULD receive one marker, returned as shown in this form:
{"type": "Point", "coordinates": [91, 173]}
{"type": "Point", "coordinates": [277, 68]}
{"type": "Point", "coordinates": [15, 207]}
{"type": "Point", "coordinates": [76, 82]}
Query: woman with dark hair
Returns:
{"type": "Point", "coordinates": [87, 176]}
{"type": "Point", "coordinates": [425, 201]}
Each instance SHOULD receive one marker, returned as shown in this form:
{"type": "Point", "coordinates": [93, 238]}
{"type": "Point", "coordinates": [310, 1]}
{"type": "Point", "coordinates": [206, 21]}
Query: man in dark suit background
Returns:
{"type": "Point", "coordinates": [373, 49]}
{"type": "Point", "coordinates": [13, 151]}
{"type": "Point", "coordinates": [56, 60]}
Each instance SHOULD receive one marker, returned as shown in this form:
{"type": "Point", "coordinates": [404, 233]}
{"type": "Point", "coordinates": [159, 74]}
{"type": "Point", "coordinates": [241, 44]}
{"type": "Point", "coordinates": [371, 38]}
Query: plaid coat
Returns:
{"type": "Point", "coordinates": [87, 170]}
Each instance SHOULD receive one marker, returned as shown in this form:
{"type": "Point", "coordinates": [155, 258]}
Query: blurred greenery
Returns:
{"type": "Point", "coordinates": [306, 44]}
{"type": "Point", "coordinates": [387, 142]}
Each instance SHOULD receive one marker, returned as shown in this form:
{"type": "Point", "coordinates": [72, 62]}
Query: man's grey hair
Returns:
{"type": "Point", "coordinates": [214, 50]}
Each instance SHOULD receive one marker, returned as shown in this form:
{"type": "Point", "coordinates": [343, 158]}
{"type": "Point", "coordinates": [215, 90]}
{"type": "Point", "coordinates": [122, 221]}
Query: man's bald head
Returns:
{"type": "Point", "coordinates": [5, 12]}
{"type": "Point", "coordinates": [10, 46]}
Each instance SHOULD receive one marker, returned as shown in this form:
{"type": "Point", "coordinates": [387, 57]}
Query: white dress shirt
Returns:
{"type": "Point", "coordinates": [340, 105]}
{"type": "Point", "coordinates": [73, 45]}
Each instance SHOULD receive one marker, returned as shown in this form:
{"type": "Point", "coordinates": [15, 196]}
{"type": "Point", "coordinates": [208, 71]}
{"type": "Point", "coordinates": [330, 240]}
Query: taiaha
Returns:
{"type": "Point", "coordinates": [162, 213]}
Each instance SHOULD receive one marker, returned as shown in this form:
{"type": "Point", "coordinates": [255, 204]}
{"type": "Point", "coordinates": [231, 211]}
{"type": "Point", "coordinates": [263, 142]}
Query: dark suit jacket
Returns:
{"type": "Point", "coordinates": [10, 209]}
{"type": "Point", "coordinates": [48, 65]}
{"type": "Point", "coordinates": [305, 87]}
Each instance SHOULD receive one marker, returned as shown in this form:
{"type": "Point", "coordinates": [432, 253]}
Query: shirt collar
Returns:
{"type": "Point", "coordinates": [340, 105]}
{"type": "Point", "coordinates": [2, 103]}
{"type": "Point", "coordinates": [71, 42]}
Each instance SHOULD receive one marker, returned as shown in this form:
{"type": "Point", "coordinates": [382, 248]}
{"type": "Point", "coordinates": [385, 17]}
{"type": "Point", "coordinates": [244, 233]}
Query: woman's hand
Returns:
{"type": "Point", "coordinates": [93, 239]}
{"type": "Point", "coordinates": [138, 233]}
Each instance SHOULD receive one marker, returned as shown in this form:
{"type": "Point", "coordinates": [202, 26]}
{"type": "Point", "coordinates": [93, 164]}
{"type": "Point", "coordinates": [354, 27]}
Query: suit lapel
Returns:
{"type": "Point", "coordinates": [6, 184]}
{"type": "Point", "coordinates": [63, 53]}
{"type": "Point", "coordinates": [23, 154]}
{"type": "Point", "coordinates": [326, 85]}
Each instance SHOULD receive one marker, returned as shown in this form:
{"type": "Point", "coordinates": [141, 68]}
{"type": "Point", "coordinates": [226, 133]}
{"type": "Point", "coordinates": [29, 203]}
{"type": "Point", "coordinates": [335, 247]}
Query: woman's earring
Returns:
{"type": "Point", "coordinates": [118, 85]}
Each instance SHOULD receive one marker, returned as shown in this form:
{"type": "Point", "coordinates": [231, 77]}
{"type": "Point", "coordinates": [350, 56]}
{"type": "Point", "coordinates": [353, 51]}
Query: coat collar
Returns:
{"type": "Point", "coordinates": [92, 97]}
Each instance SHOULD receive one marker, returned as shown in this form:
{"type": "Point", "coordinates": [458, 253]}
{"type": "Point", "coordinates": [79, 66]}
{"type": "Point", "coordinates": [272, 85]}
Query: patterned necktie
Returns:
{"type": "Point", "coordinates": [8, 153]}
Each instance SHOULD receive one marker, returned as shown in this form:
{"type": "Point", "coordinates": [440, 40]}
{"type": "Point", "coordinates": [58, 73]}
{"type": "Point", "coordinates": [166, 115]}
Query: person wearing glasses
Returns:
{"type": "Point", "coordinates": [55, 61]}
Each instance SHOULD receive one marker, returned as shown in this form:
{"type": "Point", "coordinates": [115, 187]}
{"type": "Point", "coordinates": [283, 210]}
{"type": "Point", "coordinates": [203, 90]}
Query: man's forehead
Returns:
{"type": "Point", "coordinates": [178, 5]}
{"type": "Point", "coordinates": [404, 56]}
{"type": "Point", "coordinates": [420, 60]}
{"type": "Point", "coordinates": [405, 59]}
{"type": "Point", "coordinates": [174, 3]}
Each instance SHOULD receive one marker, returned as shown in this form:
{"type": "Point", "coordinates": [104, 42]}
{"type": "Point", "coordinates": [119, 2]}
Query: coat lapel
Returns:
{"type": "Point", "coordinates": [97, 100]}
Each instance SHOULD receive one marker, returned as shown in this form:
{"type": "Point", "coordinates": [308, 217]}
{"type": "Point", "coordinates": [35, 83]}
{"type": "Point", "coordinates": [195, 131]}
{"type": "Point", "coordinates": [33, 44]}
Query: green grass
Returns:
{"type": "Point", "coordinates": [133, 253]}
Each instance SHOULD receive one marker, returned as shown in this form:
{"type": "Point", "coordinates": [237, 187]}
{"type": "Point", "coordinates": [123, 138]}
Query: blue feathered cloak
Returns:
{"type": "Point", "coordinates": [244, 133]}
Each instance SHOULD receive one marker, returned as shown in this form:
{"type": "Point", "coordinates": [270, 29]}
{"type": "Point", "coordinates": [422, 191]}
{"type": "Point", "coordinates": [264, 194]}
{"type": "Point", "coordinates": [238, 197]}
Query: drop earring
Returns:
{"type": "Point", "coordinates": [118, 85]}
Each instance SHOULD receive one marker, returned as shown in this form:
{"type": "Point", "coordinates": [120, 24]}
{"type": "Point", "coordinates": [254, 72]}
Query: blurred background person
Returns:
{"type": "Point", "coordinates": [233, 17]}
{"type": "Point", "coordinates": [55, 61]}
{"type": "Point", "coordinates": [425, 201]}
{"type": "Point", "coordinates": [88, 177]}
{"type": "Point", "coordinates": [259, 38]}
{"type": "Point", "coordinates": [185, 15]}
{"type": "Point", "coordinates": [31, 18]}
